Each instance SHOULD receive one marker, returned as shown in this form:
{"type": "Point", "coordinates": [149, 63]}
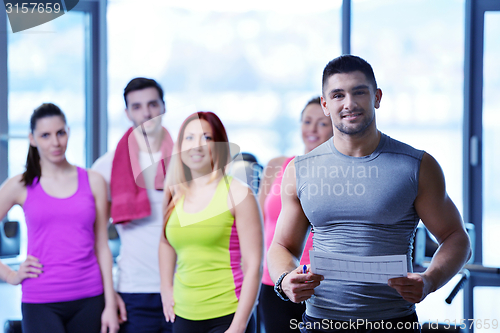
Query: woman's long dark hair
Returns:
{"type": "Point", "coordinates": [33, 169]}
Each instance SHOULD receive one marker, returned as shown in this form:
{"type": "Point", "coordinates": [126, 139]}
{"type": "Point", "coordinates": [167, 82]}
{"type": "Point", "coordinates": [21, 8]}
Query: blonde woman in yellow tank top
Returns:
{"type": "Point", "coordinates": [211, 250]}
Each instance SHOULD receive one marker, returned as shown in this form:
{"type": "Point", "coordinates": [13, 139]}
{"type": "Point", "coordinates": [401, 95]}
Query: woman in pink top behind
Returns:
{"type": "Point", "coordinates": [66, 279]}
{"type": "Point", "coordinates": [316, 129]}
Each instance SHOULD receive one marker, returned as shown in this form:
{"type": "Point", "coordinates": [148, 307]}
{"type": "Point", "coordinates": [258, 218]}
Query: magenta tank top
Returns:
{"type": "Point", "coordinates": [61, 234]}
{"type": "Point", "coordinates": [272, 209]}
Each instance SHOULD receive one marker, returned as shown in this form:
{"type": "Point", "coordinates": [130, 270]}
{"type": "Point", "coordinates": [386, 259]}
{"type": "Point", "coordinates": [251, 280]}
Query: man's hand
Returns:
{"type": "Point", "coordinates": [299, 286]}
{"type": "Point", "coordinates": [122, 310]}
{"type": "Point", "coordinates": [414, 288]}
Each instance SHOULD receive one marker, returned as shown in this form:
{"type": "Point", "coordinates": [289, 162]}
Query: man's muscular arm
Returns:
{"type": "Point", "coordinates": [288, 243]}
{"type": "Point", "coordinates": [440, 215]}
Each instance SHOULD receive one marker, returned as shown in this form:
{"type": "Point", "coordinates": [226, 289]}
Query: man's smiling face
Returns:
{"type": "Point", "coordinates": [350, 100]}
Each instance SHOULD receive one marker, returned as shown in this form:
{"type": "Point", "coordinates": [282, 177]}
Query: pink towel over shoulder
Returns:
{"type": "Point", "coordinates": [129, 197]}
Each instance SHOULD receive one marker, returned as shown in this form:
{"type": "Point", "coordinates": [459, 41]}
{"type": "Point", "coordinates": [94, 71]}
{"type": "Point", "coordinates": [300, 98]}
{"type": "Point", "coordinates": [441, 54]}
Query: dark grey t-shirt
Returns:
{"type": "Point", "coordinates": [360, 206]}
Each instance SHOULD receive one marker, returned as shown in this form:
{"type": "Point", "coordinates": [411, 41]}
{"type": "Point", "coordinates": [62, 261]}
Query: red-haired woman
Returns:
{"type": "Point", "coordinates": [213, 233]}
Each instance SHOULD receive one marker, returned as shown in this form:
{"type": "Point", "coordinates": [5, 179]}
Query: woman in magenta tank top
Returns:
{"type": "Point", "coordinates": [316, 128]}
{"type": "Point", "coordinates": [67, 285]}
{"type": "Point", "coordinates": [212, 246]}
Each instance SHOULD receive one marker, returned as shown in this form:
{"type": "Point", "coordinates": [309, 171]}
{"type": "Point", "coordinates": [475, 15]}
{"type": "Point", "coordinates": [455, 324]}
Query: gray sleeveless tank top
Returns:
{"type": "Point", "coordinates": [360, 206]}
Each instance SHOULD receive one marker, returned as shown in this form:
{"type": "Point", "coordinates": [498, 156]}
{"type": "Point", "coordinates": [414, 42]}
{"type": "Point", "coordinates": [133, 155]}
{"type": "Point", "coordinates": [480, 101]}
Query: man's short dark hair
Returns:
{"type": "Point", "coordinates": [347, 64]}
{"type": "Point", "coordinates": [140, 83]}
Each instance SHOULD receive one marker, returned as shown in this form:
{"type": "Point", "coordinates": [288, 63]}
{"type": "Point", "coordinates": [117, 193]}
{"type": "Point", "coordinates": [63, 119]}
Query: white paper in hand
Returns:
{"type": "Point", "coordinates": [376, 269]}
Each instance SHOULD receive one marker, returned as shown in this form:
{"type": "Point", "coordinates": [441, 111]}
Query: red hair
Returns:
{"type": "Point", "coordinates": [221, 157]}
{"type": "Point", "coordinates": [179, 175]}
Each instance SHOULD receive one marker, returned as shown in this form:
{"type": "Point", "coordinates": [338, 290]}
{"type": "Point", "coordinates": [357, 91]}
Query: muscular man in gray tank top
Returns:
{"type": "Point", "coordinates": [364, 194]}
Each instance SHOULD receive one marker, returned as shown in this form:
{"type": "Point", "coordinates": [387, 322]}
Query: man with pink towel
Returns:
{"type": "Point", "coordinates": [135, 172]}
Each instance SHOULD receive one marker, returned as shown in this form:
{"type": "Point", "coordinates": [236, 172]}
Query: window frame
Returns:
{"type": "Point", "coordinates": [95, 84]}
{"type": "Point", "coordinates": [473, 142]}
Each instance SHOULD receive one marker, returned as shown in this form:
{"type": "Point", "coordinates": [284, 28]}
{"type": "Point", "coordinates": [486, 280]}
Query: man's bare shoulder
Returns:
{"type": "Point", "coordinates": [288, 184]}
{"type": "Point", "coordinates": [431, 177]}
{"type": "Point", "coordinates": [290, 170]}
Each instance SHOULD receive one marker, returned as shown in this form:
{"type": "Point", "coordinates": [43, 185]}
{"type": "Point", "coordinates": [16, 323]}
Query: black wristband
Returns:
{"type": "Point", "coordinates": [279, 290]}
